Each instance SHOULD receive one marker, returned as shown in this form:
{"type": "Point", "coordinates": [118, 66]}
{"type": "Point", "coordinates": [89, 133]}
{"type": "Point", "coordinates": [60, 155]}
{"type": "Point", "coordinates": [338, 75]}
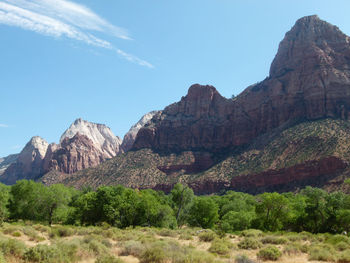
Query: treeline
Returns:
{"type": "Point", "coordinates": [312, 209]}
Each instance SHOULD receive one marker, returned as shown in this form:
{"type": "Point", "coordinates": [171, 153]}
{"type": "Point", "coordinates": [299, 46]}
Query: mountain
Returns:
{"type": "Point", "coordinates": [101, 136]}
{"type": "Point", "coordinates": [28, 164]}
{"type": "Point", "coordinates": [285, 132]}
{"type": "Point", "coordinates": [6, 162]}
{"type": "Point", "coordinates": [130, 136]}
{"type": "Point", "coordinates": [82, 145]}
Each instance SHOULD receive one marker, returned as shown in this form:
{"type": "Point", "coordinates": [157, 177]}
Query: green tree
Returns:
{"type": "Point", "coordinates": [236, 221]}
{"type": "Point", "coordinates": [4, 199]}
{"type": "Point", "coordinates": [203, 212]}
{"type": "Point", "coordinates": [271, 210]}
{"type": "Point", "coordinates": [182, 197]}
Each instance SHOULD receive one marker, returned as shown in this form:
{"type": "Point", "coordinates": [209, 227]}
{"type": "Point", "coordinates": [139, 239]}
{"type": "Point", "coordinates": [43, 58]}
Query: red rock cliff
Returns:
{"type": "Point", "coordinates": [309, 79]}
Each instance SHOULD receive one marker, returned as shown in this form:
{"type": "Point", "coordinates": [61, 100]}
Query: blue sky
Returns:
{"type": "Point", "coordinates": [113, 61]}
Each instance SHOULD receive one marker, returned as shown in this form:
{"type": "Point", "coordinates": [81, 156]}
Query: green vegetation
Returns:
{"type": "Point", "coordinates": [60, 224]}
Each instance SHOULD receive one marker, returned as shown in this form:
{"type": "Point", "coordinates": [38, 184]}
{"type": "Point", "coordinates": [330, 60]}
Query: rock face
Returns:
{"type": "Point", "coordinates": [6, 162]}
{"type": "Point", "coordinates": [73, 154]}
{"type": "Point", "coordinates": [309, 79]}
{"type": "Point", "coordinates": [101, 136]}
{"type": "Point", "coordinates": [130, 136]}
{"type": "Point", "coordinates": [29, 162]}
{"type": "Point", "coordinates": [82, 145]}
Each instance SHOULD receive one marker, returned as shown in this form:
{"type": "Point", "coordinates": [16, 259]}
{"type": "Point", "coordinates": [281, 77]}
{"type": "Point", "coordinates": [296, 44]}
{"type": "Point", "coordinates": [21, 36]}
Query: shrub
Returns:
{"type": "Point", "coordinates": [207, 236]}
{"type": "Point", "coordinates": [269, 253]}
{"type": "Point", "coordinates": [274, 240]}
{"type": "Point", "coordinates": [243, 259]}
{"type": "Point", "coordinates": [134, 248]}
{"type": "Point", "coordinates": [220, 246]}
{"type": "Point", "coordinates": [16, 234]}
{"type": "Point", "coordinates": [167, 233]}
{"type": "Point", "coordinates": [42, 253]}
{"type": "Point", "coordinates": [344, 257]}
{"type": "Point", "coordinates": [252, 233]}
{"type": "Point", "coordinates": [32, 234]}
{"type": "Point", "coordinates": [12, 247]}
{"type": "Point", "coordinates": [186, 236]}
{"type": "Point", "coordinates": [61, 231]}
{"type": "Point", "coordinates": [249, 243]}
{"type": "Point", "coordinates": [337, 239]}
{"type": "Point", "coordinates": [294, 248]}
{"type": "Point", "coordinates": [341, 246]}
{"type": "Point", "coordinates": [153, 255]}
{"type": "Point", "coordinates": [195, 256]}
{"type": "Point", "coordinates": [322, 253]}
{"type": "Point", "coordinates": [2, 258]}
{"type": "Point", "coordinates": [108, 259]}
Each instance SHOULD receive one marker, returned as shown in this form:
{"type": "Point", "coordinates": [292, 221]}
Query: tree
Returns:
{"type": "Point", "coordinates": [316, 212]}
{"type": "Point", "coordinates": [203, 212]}
{"type": "Point", "coordinates": [236, 221]}
{"type": "Point", "coordinates": [271, 211]}
{"type": "Point", "coordinates": [182, 197]}
{"type": "Point", "coordinates": [4, 199]}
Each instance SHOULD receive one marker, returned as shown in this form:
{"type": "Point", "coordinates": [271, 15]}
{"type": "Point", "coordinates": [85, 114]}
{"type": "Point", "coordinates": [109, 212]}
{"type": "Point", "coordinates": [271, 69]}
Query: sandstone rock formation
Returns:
{"type": "Point", "coordinates": [130, 136]}
{"type": "Point", "coordinates": [81, 146]}
{"type": "Point", "coordinates": [29, 162]}
{"type": "Point", "coordinates": [101, 136]}
{"type": "Point", "coordinates": [6, 162]}
{"type": "Point", "coordinates": [309, 79]}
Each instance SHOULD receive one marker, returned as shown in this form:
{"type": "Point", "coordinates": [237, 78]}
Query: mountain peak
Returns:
{"type": "Point", "coordinates": [311, 40]}
{"type": "Point", "coordinates": [101, 135]}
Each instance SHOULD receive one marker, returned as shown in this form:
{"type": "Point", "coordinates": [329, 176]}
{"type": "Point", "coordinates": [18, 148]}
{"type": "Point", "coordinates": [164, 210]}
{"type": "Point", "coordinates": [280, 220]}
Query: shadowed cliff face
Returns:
{"type": "Point", "coordinates": [309, 79]}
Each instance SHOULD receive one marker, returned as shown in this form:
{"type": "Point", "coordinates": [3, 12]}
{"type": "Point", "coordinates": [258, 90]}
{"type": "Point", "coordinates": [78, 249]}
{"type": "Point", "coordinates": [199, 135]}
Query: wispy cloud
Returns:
{"type": "Point", "coordinates": [3, 125]}
{"type": "Point", "coordinates": [63, 18]}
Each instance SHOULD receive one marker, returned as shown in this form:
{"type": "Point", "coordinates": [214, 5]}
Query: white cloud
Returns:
{"type": "Point", "coordinates": [3, 125]}
{"type": "Point", "coordinates": [134, 59]}
{"type": "Point", "coordinates": [63, 18]}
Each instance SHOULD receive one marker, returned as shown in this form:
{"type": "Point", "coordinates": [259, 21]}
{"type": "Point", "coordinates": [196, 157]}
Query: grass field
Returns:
{"type": "Point", "coordinates": [28, 242]}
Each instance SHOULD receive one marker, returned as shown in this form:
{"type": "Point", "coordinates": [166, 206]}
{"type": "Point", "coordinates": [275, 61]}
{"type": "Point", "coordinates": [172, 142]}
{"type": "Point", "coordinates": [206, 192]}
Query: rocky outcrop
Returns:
{"type": "Point", "coordinates": [73, 154]}
{"type": "Point", "coordinates": [130, 136]}
{"type": "Point", "coordinates": [101, 136]}
{"type": "Point", "coordinates": [29, 162]}
{"type": "Point", "coordinates": [6, 162]}
{"type": "Point", "coordinates": [309, 79]}
{"type": "Point", "coordinates": [81, 146]}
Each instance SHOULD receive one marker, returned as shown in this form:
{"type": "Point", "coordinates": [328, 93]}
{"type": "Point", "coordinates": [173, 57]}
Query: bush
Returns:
{"type": "Point", "coordinates": [167, 233]}
{"type": "Point", "coordinates": [134, 248]}
{"type": "Point", "coordinates": [12, 247]}
{"type": "Point", "coordinates": [322, 253]}
{"type": "Point", "coordinates": [2, 258]}
{"type": "Point", "coordinates": [186, 236]}
{"type": "Point", "coordinates": [344, 257]}
{"type": "Point", "coordinates": [62, 231]}
{"type": "Point", "coordinates": [207, 236]}
{"type": "Point", "coordinates": [337, 239]}
{"type": "Point", "coordinates": [195, 256]}
{"type": "Point", "coordinates": [252, 233]}
{"type": "Point", "coordinates": [249, 243]}
{"type": "Point", "coordinates": [243, 259]}
{"type": "Point", "coordinates": [294, 248]}
{"type": "Point", "coordinates": [274, 240]}
{"type": "Point", "coordinates": [341, 246]}
{"type": "Point", "coordinates": [220, 246]}
{"type": "Point", "coordinates": [108, 259]}
{"type": "Point", "coordinates": [16, 234]}
{"type": "Point", "coordinates": [269, 253]}
{"type": "Point", "coordinates": [42, 253]}
{"type": "Point", "coordinates": [153, 255]}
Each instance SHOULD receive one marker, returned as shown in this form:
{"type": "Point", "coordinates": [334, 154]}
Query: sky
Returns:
{"type": "Point", "coordinates": [111, 62]}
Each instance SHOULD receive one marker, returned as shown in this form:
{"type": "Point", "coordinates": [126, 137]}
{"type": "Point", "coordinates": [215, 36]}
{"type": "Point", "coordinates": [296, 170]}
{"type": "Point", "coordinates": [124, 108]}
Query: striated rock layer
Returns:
{"type": "Point", "coordinates": [309, 79]}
